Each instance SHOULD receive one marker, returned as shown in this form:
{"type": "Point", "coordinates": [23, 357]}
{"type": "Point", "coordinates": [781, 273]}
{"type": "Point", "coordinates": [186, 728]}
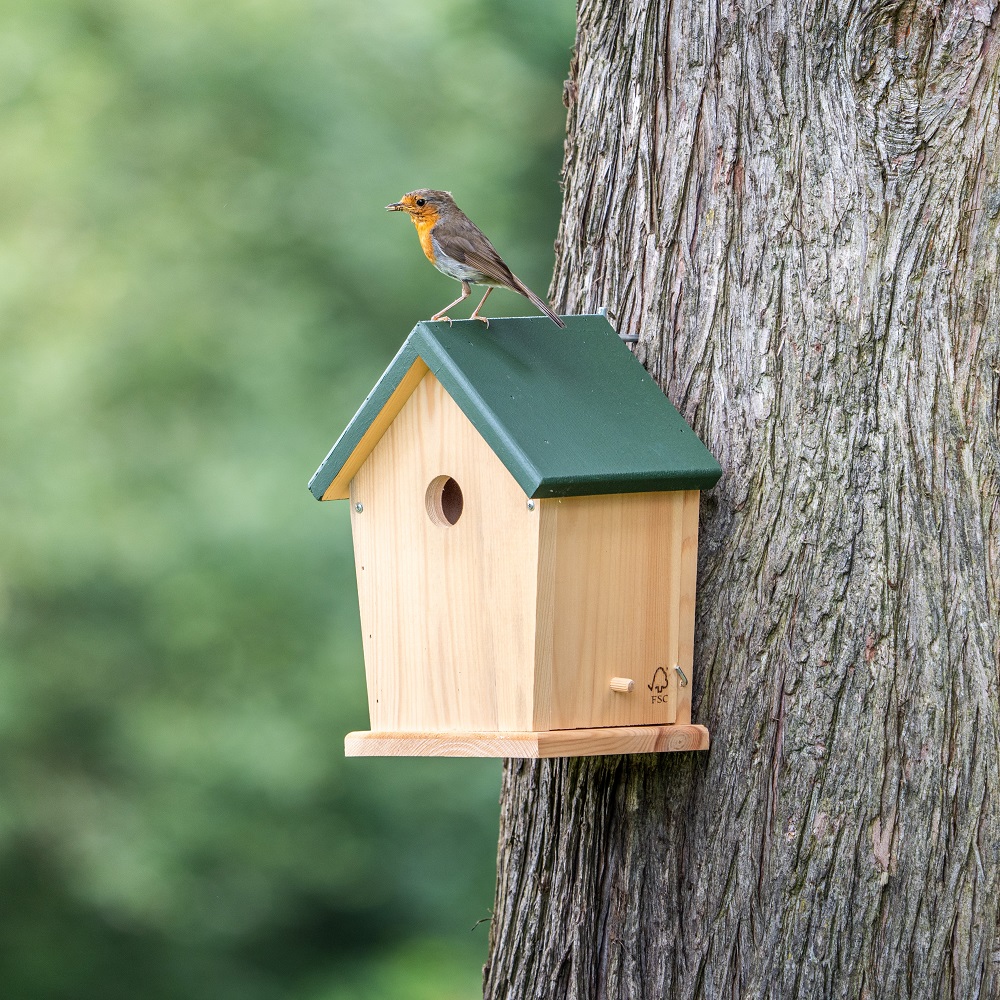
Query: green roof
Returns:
{"type": "Point", "coordinates": [569, 412]}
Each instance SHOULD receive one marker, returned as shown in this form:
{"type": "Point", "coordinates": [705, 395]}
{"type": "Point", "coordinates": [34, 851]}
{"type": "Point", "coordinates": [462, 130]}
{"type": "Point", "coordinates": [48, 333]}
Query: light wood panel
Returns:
{"type": "Point", "coordinates": [616, 599]}
{"type": "Point", "coordinates": [447, 611]}
{"type": "Point", "coordinates": [339, 489]}
{"type": "Point", "coordinates": [688, 587]}
{"type": "Point", "coordinates": [557, 743]}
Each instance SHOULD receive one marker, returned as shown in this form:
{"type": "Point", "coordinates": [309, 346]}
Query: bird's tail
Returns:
{"type": "Point", "coordinates": [538, 302]}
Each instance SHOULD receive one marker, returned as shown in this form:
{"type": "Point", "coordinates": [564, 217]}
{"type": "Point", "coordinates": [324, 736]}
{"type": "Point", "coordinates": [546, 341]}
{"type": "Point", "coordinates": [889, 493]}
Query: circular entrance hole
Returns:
{"type": "Point", "coordinates": [444, 501]}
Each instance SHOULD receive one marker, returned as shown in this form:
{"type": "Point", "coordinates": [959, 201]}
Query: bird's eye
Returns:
{"type": "Point", "coordinates": [421, 202]}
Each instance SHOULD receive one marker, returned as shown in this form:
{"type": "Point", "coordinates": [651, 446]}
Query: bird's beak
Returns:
{"type": "Point", "coordinates": [394, 207]}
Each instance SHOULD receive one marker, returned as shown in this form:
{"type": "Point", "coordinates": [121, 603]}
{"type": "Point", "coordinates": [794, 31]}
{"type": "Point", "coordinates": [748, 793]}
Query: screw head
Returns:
{"type": "Point", "coordinates": [359, 507]}
{"type": "Point", "coordinates": [531, 505]}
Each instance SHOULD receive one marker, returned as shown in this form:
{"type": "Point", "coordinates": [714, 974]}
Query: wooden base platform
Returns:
{"type": "Point", "coordinates": [558, 743]}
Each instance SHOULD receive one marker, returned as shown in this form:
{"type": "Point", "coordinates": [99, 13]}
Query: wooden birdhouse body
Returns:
{"type": "Point", "coordinates": [518, 552]}
{"type": "Point", "coordinates": [442, 605]}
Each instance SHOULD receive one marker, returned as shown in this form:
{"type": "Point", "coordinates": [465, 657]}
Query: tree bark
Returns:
{"type": "Point", "coordinates": [797, 208]}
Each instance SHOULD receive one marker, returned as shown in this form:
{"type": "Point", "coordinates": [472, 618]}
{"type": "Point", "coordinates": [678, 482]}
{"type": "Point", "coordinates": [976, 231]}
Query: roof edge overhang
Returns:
{"type": "Point", "coordinates": [332, 480]}
{"type": "Point", "coordinates": [612, 484]}
{"type": "Point", "coordinates": [418, 355]}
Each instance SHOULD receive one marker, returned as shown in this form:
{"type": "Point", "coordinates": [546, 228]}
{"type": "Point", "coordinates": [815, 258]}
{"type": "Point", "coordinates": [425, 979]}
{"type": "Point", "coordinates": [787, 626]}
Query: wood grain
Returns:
{"type": "Point", "coordinates": [339, 489]}
{"type": "Point", "coordinates": [447, 611]}
{"type": "Point", "coordinates": [616, 598]}
{"type": "Point", "coordinates": [688, 581]}
{"type": "Point", "coordinates": [555, 743]}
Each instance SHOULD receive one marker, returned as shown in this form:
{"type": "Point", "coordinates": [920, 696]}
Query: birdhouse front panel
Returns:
{"type": "Point", "coordinates": [446, 550]}
{"type": "Point", "coordinates": [617, 594]}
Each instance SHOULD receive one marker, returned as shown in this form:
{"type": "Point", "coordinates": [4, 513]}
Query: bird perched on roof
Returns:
{"type": "Point", "coordinates": [456, 247]}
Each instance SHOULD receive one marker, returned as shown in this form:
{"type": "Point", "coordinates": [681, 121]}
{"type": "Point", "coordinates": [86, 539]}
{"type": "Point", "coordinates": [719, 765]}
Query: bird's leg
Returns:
{"type": "Point", "coordinates": [475, 313]}
{"type": "Point", "coordinates": [466, 292]}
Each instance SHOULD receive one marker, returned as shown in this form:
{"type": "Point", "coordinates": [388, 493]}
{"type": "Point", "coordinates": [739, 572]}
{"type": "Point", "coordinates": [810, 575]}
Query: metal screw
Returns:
{"type": "Point", "coordinates": [531, 505]}
{"type": "Point", "coordinates": [682, 675]}
{"type": "Point", "coordinates": [359, 507]}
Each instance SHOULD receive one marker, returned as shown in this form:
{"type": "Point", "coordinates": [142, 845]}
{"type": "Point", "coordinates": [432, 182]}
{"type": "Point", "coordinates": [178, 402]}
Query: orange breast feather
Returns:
{"type": "Point", "coordinates": [424, 226]}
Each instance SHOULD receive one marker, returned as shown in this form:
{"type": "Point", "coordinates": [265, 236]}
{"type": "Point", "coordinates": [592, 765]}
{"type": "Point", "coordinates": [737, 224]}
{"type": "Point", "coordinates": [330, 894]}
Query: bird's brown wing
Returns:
{"type": "Point", "coordinates": [462, 241]}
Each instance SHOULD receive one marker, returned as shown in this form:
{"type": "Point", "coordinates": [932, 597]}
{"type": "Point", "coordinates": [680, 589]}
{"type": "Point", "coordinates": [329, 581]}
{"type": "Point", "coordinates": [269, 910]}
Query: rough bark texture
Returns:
{"type": "Point", "coordinates": [797, 208]}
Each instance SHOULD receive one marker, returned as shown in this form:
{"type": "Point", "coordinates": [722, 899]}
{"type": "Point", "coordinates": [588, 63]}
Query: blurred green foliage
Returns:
{"type": "Point", "coordinates": [198, 285]}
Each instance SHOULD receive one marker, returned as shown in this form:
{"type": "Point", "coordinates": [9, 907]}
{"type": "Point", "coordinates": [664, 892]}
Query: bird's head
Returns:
{"type": "Point", "coordinates": [423, 205]}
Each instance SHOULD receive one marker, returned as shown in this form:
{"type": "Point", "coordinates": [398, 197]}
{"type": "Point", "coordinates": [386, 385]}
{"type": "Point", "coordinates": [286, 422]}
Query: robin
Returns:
{"type": "Point", "coordinates": [456, 247]}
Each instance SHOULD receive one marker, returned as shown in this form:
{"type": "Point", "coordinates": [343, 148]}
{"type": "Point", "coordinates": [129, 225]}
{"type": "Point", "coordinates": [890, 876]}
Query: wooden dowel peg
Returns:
{"type": "Point", "coordinates": [623, 685]}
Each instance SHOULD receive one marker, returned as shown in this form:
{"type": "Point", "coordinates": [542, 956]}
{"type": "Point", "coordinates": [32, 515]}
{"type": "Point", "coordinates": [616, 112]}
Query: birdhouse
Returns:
{"type": "Point", "coordinates": [524, 507]}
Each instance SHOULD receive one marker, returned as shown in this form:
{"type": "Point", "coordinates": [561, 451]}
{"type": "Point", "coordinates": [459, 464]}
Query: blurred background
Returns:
{"type": "Point", "coordinates": [198, 286]}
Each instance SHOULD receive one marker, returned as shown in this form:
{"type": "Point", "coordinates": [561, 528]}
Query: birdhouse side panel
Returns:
{"type": "Point", "coordinates": [616, 595]}
{"type": "Point", "coordinates": [446, 550]}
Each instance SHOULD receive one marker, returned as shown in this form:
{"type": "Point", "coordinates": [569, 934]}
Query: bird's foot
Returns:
{"type": "Point", "coordinates": [442, 318]}
{"type": "Point", "coordinates": [482, 319]}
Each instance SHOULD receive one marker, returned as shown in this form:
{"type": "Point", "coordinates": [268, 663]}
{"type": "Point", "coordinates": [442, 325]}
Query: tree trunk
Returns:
{"type": "Point", "coordinates": [797, 208]}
